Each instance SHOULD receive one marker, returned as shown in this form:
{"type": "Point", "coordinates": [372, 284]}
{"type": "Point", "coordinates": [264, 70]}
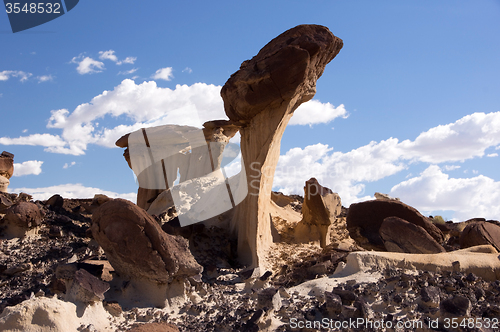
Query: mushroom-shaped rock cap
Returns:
{"type": "Point", "coordinates": [290, 63]}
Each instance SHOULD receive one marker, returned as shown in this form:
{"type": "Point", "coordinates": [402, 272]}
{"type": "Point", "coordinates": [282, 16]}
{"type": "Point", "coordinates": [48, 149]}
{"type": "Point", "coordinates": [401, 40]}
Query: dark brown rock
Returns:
{"type": "Point", "coordinates": [364, 220]}
{"type": "Point", "coordinates": [86, 288]}
{"type": "Point", "coordinates": [479, 233]}
{"type": "Point", "coordinates": [457, 305]}
{"type": "Point", "coordinates": [5, 202]}
{"type": "Point", "coordinates": [137, 247]}
{"type": "Point", "coordinates": [55, 201]}
{"type": "Point", "coordinates": [24, 214]}
{"type": "Point", "coordinates": [401, 236]}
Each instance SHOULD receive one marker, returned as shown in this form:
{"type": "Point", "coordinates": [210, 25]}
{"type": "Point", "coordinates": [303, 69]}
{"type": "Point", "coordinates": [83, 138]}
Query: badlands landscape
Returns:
{"type": "Point", "coordinates": [270, 262]}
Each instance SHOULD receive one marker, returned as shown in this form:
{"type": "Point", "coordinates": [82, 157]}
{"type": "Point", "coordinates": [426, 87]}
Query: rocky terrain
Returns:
{"type": "Point", "coordinates": [258, 260]}
{"type": "Point", "coordinates": [229, 298]}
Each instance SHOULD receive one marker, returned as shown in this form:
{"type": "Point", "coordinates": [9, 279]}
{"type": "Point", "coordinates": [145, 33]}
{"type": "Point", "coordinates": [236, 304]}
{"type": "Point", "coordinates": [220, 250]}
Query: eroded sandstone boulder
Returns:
{"type": "Point", "coordinates": [155, 265]}
{"type": "Point", "coordinates": [22, 219]}
{"type": "Point", "coordinates": [479, 233]}
{"type": "Point", "coordinates": [401, 236]}
{"type": "Point", "coordinates": [261, 98]}
{"type": "Point", "coordinates": [364, 220]}
{"type": "Point", "coordinates": [137, 247]}
{"type": "Point", "coordinates": [320, 209]}
{"type": "Point", "coordinates": [6, 170]}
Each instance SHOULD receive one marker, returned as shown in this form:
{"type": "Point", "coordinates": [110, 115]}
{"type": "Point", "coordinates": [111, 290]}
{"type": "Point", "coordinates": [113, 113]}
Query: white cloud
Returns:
{"type": "Point", "coordinates": [6, 74]}
{"type": "Point", "coordinates": [47, 140]}
{"type": "Point", "coordinates": [187, 70]}
{"type": "Point", "coordinates": [464, 139]}
{"type": "Point", "coordinates": [128, 60]}
{"type": "Point", "coordinates": [163, 74]}
{"type": "Point", "coordinates": [30, 167]}
{"type": "Point", "coordinates": [347, 173]}
{"type": "Point", "coordinates": [44, 78]}
{"type": "Point", "coordinates": [66, 165]}
{"type": "Point", "coordinates": [434, 190]}
{"type": "Point", "coordinates": [314, 112]}
{"type": "Point", "coordinates": [110, 55]}
{"type": "Point", "coordinates": [87, 65]}
{"type": "Point", "coordinates": [491, 155]}
{"type": "Point", "coordinates": [127, 72]}
{"type": "Point", "coordinates": [450, 167]}
{"type": "Point", "coordinates": [72, 190]}
{"type": "Point", "coordinates": [341, 172]}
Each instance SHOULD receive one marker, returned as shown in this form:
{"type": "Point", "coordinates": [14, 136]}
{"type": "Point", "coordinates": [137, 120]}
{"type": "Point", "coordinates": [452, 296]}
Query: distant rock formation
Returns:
{"type": "Point", "coordinates": [364, 220]}
{"type": "Point", "coordinates": [320, 209]}
{"type": "Point", "coordinates": [6, 170]}
{"type": "Point", "coordinates": [261, 97]}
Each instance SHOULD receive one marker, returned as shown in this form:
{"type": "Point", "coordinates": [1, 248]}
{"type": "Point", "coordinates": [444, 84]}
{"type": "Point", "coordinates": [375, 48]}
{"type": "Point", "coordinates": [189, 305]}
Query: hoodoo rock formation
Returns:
{"type": "Point", "coordinates": [261, 97]}
{"type": "Point", "coordinates": [6, 170]}
{"type": "Point", "coordinates": [320, 209]}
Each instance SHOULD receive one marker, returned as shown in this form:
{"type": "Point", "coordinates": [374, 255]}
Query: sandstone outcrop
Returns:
{"type": "Point", "coordinates": [261, 98]}
{"type": "Point", "coordinates": [479, 233]}
{"type": "Point", "coordinates": [6, 170]}
{"type": "Point", "coordinates": [401, 236]}
{"type": "Point", "coordinates": [364, 220]}
{"type": "Point", "coordinates": [22, 219]}
{"type": "Point", "coordinates": [140, 251]}
{"type": "Point", "coordinates": [320, 209]}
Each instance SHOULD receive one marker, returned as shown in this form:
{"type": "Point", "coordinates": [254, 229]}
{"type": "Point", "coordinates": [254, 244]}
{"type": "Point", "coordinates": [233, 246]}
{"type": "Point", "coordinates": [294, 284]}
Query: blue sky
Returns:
{"type": "Point", "coordinates": [409, 107]}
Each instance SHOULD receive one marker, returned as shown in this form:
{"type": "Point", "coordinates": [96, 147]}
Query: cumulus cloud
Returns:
{"type": "Point", "coordinates": [72, 190]}
{"type": "Point", "coordinates": [491, 155]}
{"type": "Point", "coordinates": [314, 112]}
{"type": "Point", "coordinates": [6, 74]}
{"type": "Point", "coordinates": [347, 173]}
{"type": "Point", "coordinates": [464, 139]}
{"type": "Point", "coordinates": [163, 74]}
{"type": "Point", "coordinates": [44, 78]}
{"type": "Point", "coordinates": [30, 167]}
{"type": "Point", "coordinates": [110, 55]}
{"type": "Point", "coordinates": [87, 65]}
{"type": "Point", "coordinates": [187, 70]}
{"type": "Point", "coordinates": [468, 197]}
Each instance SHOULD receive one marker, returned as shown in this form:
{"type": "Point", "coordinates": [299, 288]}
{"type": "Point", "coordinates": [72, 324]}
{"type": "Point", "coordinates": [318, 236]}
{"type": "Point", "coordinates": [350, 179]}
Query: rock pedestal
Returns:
{"type": "Point", "coordinates": [261, 98]}
{"type": "Point", "coordinates": [320, 209]}
{"type": "Point", "coordinates": [6, 170]}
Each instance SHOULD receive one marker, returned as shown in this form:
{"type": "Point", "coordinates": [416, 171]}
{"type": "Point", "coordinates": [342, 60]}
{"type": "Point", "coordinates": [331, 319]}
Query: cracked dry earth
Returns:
{"type": "Point", "coordinates": [229, 299]}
